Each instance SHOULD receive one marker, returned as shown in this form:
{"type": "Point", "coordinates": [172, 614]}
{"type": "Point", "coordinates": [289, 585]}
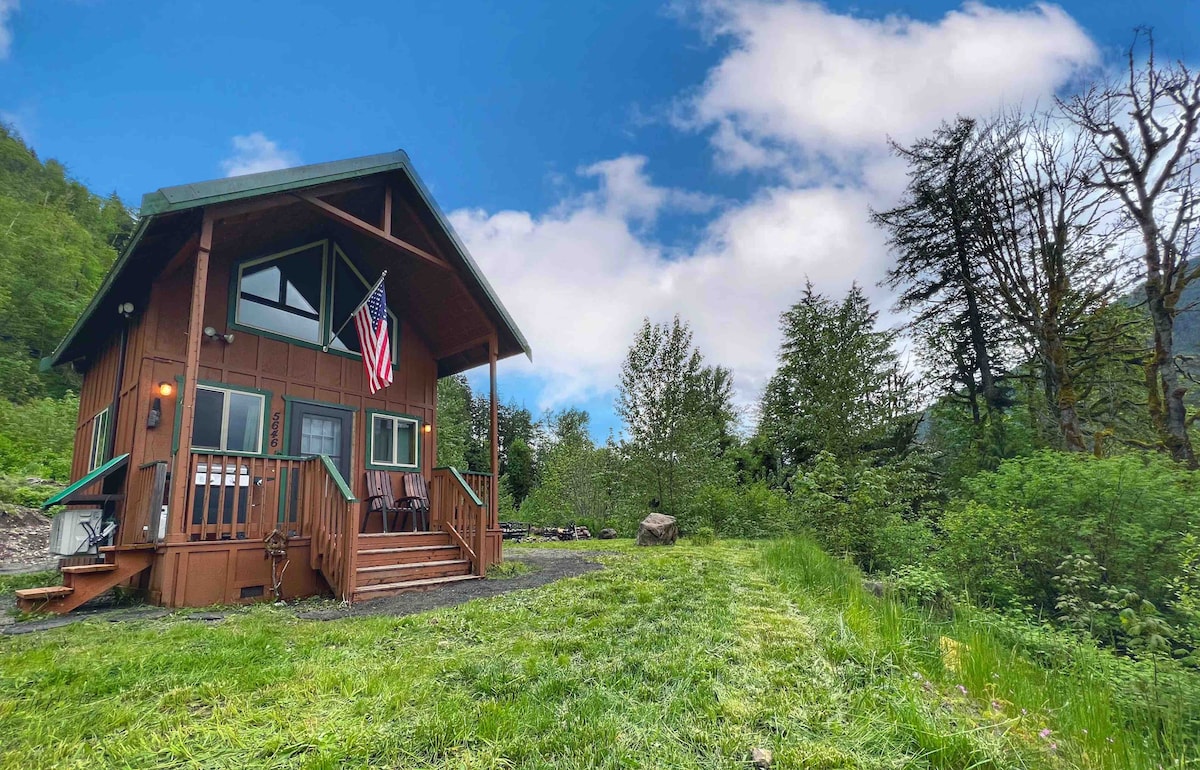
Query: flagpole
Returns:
{"type": "Point", "coordinates": [325, 348]}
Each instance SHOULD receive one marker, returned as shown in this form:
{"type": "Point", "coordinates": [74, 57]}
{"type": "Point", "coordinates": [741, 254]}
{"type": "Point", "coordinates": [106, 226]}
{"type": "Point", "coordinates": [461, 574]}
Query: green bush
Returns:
{"type": "Point", "coordinates": [922, 585]}
{"type": "Point", "coordinates": [879, 516]}
{"type": "Point", "coordinates": [1008, 541]}
{"type": "Point", "coordinates": [751, 511]}
{"type": "Point", "coordinates": [703, 536]}
{"type": "Point", "coordinates": [36, 438]}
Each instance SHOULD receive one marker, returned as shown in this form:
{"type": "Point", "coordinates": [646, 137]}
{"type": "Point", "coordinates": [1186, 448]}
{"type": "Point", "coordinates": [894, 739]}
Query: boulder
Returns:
{"type": "Point", "coordinates": [761, 758]}
{"type": "Point", "coordinates": [658, 529]}
{"type": "Point", "coordinates": [608, 533]}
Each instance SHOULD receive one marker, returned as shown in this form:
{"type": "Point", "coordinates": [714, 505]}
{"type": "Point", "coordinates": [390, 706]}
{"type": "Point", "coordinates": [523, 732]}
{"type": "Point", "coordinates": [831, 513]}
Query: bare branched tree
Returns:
{"type": "Point", "coordinates": [1145, 133]}
{"type": "Point", "coordinates": [1050, 249]}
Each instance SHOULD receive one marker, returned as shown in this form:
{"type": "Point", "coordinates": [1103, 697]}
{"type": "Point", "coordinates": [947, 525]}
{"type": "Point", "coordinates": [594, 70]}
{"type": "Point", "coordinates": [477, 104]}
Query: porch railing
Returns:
{"type": "Point", "coordinates": [144, 504]}
{"type": "Point", "coordinates": [244, 498]}
{"type": "Point", "coordinates": [335, 512]}
{"type": "Point", "coordinates": [481, 484]}
{"type": "Point", "coordinates": [459, 510]}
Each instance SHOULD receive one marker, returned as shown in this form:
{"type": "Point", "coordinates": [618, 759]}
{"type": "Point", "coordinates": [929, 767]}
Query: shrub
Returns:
{"type": "Point", "coordinates": [1009, 540]}
{"type": "Point", "coordinates": [703, 536]}
{"type": "Point", "coordinates": [751, 511]}
{"type": "Point", "coordinates": [879, 516]}
{"type": "Point", "coordinates": [922, 585]}
{"type": "Point", "coordinates": [36, 438]}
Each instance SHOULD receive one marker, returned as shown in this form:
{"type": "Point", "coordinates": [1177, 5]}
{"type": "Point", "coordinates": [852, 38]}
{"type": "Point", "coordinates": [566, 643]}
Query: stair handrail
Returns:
{"type": "Point", "coordinates": [335, 529]}
{"type": "Point", "coordinates": [473, 541]}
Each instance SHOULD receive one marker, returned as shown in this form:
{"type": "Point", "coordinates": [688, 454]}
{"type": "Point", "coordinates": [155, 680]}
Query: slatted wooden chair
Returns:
{"type": "Point", "coordinates": [415, 504]}
{"type": "Point", "coordinates": [380, 498]}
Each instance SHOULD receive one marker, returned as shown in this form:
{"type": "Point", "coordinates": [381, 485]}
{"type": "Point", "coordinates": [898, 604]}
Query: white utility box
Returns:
{"type": "Point", "coordinates": [67, 534]}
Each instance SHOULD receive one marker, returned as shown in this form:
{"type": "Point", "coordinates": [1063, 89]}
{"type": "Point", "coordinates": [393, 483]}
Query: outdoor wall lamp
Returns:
{"type": "Point", "coordinates": [428, 428]}
{"type": "Point", "coordinates": [165, 388]}
{"type": "Point", "coordinates": [211, 333]}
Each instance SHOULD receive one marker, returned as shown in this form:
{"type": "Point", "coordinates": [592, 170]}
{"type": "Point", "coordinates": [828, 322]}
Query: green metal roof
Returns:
{"type": "Point", "coordinates": [99, 473]}
{"type": "Point", "coordinates": [171, 200]}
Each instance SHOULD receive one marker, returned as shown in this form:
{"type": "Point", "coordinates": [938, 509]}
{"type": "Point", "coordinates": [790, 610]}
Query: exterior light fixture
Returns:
{"type": "Point", "coordinates": [212, 334]}
{"type": "Point", "coordinates": [165, 388]}
{"type": "Point", "coordinates": [428, 428]}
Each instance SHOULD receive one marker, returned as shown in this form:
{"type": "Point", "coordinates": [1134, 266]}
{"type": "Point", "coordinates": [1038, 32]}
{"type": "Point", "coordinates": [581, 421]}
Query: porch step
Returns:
{"type": "Point", "coordinates": [85, 581]}
{"type": "Point", "coordinates": [43, 594]}
{"type": "Point", "coordinates": [402, 539]}
{"type": "Point", "coordinates": [84, 569]}
{"type": "Point", "coordinates": [380, 590]}
{"type": "Point", "coordinates": [393, 573]}
{"type": "Point", "coordinates": [372, 557]}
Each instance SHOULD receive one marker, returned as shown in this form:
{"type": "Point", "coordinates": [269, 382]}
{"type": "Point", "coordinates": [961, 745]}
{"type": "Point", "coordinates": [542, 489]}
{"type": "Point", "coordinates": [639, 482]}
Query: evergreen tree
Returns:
{"type": "Point", "coordinates": [839, 387]}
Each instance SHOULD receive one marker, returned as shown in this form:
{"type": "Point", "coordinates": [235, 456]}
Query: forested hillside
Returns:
{"type": "Point", "coordinates": [57, 240]}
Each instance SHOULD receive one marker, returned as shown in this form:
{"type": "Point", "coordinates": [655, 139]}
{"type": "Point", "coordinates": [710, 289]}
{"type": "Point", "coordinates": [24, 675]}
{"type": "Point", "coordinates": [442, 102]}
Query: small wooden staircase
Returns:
{"type": "Point", "coordinates": [394, 562]}
{"type": "Point", "coordinates": [87, 581]}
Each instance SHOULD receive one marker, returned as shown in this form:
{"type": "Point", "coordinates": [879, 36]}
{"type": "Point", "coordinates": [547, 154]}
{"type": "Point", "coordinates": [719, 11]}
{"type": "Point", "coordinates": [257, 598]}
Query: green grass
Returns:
{"type": "Point", "coordinates": [677, 657]}
{"type": "Point", "coordinates": [9, 584]}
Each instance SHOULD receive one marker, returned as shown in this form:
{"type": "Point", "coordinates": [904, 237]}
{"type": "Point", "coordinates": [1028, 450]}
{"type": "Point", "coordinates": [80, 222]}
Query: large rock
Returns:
{"type": "Point", "coordinates": [658, 529]}
{"type": "Point", "coordinates": [608, 533]}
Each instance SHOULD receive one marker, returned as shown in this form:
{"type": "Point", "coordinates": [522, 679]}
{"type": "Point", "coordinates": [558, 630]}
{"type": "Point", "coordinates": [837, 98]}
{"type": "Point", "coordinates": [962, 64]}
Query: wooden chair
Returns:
{"type": "Point", "coordinates": [415, 503]}
{"type": "Point", "coordinates": [380, 498]}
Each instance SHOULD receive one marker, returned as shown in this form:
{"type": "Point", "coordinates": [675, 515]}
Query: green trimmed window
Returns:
{"type": "Point", "coordinates": [306, 294]}
{"type": "Point", "coordinates": [228, 420]}
{"type": "Point", "coordinates": [393, 441]}
{"type": "Point", "coordinates": [100, 433]}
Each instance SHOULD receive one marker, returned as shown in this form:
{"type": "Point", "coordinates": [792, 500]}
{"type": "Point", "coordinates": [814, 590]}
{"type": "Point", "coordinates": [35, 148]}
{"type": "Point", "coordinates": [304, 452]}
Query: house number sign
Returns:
{"type": "Point", "coordinates": [275, 419]}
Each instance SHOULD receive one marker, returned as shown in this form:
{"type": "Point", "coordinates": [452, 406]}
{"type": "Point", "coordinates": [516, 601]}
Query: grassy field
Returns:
{"type": "Point", "coordinates": [681, 657]}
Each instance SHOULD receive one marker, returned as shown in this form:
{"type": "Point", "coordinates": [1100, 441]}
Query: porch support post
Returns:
{"type": "Point", "coordinates": [191, 371]}
{"type": "Point", "coordinates": [494, 488]}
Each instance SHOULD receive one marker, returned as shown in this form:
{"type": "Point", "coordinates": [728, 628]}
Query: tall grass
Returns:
{"type": "Point", "coordinates": [1036, 687]}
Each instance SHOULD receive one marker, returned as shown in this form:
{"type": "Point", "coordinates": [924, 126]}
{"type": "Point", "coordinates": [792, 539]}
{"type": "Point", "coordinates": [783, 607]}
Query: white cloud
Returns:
{"type": "Point", "coordinates": [579, 280]}
{"type": "Point", "coordinates": [253, 153]}
{"type": "Point", "coordinates": [800, 77]}
{"type": "Point", "coordinates": [801, 90]}
{"type": "Point", "coordinates": [8, 8]}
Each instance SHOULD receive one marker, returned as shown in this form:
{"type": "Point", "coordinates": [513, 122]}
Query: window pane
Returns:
{"type": "Point", "coordinates": [406, 442]}
{"type": "Point", "coordinates": [284, 295]}
{"type": "Point", "coordinates": [210, 407]}
{"type": "Point", "coordinates": [381, 440]}
{"type": "Point", "coordinates": [245, 423]}
{"type": "Point", "coordinates": [348, 293]}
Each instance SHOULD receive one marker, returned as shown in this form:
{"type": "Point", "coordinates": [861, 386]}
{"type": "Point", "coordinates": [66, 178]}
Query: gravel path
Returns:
{"type": "Point", "coordinates": [24, 538]}
{"type": "Point", "coordinates": [549, 565]}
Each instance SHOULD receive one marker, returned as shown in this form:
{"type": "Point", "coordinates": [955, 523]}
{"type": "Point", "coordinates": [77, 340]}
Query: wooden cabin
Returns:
{"type": "Point", "coordinates": [225, 424]}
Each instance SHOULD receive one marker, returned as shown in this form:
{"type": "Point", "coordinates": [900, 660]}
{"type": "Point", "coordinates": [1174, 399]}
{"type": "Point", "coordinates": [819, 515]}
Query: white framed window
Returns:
{"type": "Point", "coordinates": [100, 433]}
{"type": "Point", "coordinates": [228, 420]}
{"type": "Point", "coordinates": [305, 294]}
{"type": "Point", "coordinates": [393, 441]}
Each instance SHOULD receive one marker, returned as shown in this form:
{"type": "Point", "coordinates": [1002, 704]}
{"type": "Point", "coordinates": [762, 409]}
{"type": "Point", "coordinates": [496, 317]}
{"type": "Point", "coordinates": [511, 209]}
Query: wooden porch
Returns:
{"type": "Point", "coordinates": [235, 503]}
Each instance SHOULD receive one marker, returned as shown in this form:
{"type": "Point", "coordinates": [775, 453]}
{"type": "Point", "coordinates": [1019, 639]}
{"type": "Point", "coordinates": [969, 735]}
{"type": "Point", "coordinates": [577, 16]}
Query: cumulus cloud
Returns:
{"type": "Point", "coordinates": [253, 153]}
{"type": "Point", "coordinates": [8, 9]}
{"type": "Point", "coordinates": [802, 90]}
{"type": "Point", "coordinates": [580, 279]}
{"type": "Point", "coordinates": [801, 78]}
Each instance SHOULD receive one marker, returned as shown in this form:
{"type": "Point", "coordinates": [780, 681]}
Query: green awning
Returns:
{"type": "Point", "coordinates": [99, 473]}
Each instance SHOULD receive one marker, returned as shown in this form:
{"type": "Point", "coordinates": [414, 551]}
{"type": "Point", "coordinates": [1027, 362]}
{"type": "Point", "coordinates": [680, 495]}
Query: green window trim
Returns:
{"type": "Point", "coordinates": [101, 428]}
{"type": "Point", "coordinates": [264, 439]}
{"type": "Point", "coordinates": [369, 457]}
{"type": "Point", "coordinates": [330, 251]}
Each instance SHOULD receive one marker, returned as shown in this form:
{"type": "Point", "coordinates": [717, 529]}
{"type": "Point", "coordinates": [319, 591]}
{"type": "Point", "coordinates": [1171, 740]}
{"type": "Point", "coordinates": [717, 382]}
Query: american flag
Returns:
{"type": "Point", "coordinates": [371, 321]}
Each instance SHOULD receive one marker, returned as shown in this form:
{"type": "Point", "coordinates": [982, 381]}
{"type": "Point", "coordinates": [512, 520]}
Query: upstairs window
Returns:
{"type": "Point", "coordinates": [100, 430]}
{"type": "Point", "coordinates": [284, 293]}
{"type": "Point", "coordinates": [306, 294]}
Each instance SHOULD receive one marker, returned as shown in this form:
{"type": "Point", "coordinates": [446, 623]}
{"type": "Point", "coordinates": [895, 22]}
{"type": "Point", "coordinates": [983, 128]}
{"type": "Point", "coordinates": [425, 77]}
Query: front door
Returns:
{"type": "Point", "coordinates": [316, 429]}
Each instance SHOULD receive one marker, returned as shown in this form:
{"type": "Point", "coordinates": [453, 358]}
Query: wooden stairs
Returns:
{"type": "Point", "coordinates": [392, 563]}
{"type": "Point", "coordinates": [87, 581]}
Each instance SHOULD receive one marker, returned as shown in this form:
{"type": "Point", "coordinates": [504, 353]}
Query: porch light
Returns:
{"type": "Point", "coordinates": [428, 428]}
{"type": "Point", "coordinates": [165, 388]}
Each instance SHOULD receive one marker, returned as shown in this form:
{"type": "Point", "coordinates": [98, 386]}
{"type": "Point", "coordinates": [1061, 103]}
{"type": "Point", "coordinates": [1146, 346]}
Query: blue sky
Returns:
{"type": "Point", "coordinates": [604, 161]}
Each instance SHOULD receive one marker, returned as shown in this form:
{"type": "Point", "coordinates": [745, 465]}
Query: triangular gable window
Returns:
{"type": "Point", "coordinates": [306, 294]}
